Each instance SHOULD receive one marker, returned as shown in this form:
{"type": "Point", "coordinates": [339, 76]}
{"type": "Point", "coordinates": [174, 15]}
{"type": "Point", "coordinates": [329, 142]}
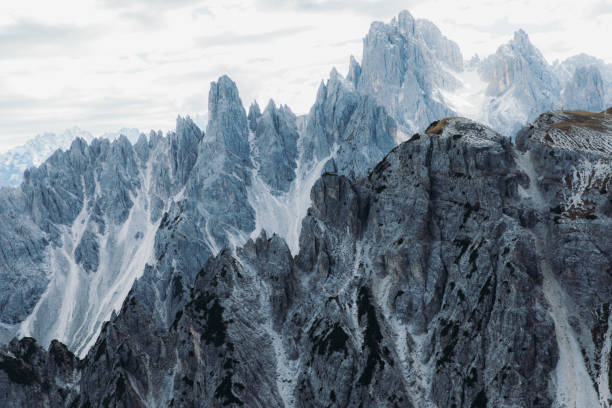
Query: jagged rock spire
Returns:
{"type": "Point", "coordinates": [354, 71]}
{"type": "Point", "coordinates": [254, 114]}
{"type": "Point", "coordinates": [227, 118]}
{"type": "Point", "coordinates": [585, 91]}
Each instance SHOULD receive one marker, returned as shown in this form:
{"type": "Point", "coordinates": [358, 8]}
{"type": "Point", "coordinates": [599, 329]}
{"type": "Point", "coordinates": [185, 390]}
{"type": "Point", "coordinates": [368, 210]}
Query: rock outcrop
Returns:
{"type": "Point", "coordinates": [565, 71]}
{"type": "Point", "coordinates": [275, 145]}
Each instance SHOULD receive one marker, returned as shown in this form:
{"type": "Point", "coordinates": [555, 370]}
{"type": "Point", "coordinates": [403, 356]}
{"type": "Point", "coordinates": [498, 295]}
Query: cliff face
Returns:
{"type": "Point", "coordinates": [404, 65]}
{"type": "Point", "coordinates": [565, 71]}
{"type": "Point", "coordinates": [585, 91]}
{"type": "Point", "coordinates": [461, 270]}
{"type": "Point", "coordinates": [521, 84]}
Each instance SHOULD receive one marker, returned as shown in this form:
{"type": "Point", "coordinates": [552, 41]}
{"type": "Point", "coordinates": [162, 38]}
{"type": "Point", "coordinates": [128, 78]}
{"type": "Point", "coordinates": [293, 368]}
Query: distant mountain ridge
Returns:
{"type": "Point", "coordinates": [419, 76]}
{"type": "Point", "coordinates": [16, 160]}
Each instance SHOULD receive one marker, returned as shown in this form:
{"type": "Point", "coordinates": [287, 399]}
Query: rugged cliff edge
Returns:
{"type": "Point", "coordinates": [461, 271]}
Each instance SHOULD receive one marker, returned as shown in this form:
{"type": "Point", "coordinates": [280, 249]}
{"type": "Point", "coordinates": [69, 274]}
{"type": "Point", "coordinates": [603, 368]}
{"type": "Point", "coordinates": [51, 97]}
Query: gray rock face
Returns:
{"type": "Point", "coordinates": [32, 376]}
{"type": "Point", "coordinates": [183, 154]}
{"type": "Point", "coordinates": [81, 228]}
{"type": "Point", "coordinates": [566, 69]}
{"type": "Point", "coordinates": [227, 122]}
{"type": "Point", "coordinates": [354, 72]}
{"type": "Point", "coordinates": [585, 91]}
{"type": "Point", "coordinates": [23, 246]}
{"type": "Point", "coordinates": [402, 69]}
{"type": "Point", "coordinates": [454, 273]}
{"type": "Point", "coordinates": [349, 126]}
{"type": "Point", "coordinates": [445, 50]}
{"type": "Point", "coordinates": [418, 75]}
{"type": "Point", "coordinates": [521, 84]}
{"type": "Point", "coordinates": [275, 144]}
{"type": "Point", "coordinates": [87, 253]}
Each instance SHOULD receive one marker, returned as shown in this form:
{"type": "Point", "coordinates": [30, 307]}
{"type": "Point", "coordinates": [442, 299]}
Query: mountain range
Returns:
{"type": "Point", "coordinates": [378, 251]}
{"type": "Point", "coordinates": [15, 161]}
{"type": "Point", "coordinates": [420, 75]}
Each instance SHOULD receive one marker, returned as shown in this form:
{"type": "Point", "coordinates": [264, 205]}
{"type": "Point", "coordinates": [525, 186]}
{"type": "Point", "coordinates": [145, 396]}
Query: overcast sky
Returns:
{"type": "Point", "coordinates": [107, 64]}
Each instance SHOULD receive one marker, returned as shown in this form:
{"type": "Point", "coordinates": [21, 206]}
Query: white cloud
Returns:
{"type": "Point", "coordinates": [107, 64]}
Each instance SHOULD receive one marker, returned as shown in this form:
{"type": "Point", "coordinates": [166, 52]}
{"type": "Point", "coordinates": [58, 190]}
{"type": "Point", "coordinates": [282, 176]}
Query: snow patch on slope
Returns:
{"type": "Point", "coordinates": [410, 348]}
{"type": "Point", "coordinates": [469, 98]}
{"type": "Point", "coordinates": [77, 302]}
{"type": "Point", "coordinates": [525, 163]}
{"type": "Point", "coordinates": [282, 214]}
{"type": "Point", "coordinates": [572, 382]}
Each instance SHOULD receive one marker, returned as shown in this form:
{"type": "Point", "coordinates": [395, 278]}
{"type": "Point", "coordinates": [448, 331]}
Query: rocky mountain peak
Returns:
{"type": "Point", "coordinates": [270, 107]}
{"type": "Point", "coordinates": [521, 38]}
{"type": "Point", "coordinates": [521, 84]}
{"type": "Point", "coordinates": [518, 60]}
{"type": "Point", "coordinates": [184, 147]}
{"type": "Point", "coordinates": [254, 114]}
{"type": "Point", "coordinates": [405, 22]}
{"type": "Point", "coordinates": [334, 77]}
{"type": "Point", "coordinates": [275, 146]}
{"type": "Point", "coordinates": [354, 71]}
{"type": "Point", "coordinates": [227, 123]}
{"type": "Point", "coordinates": [403, 68]}
{"type": "Point", "coordinates": [586, 90]}
{"type": "Point", "coordinates": [446, 50]}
